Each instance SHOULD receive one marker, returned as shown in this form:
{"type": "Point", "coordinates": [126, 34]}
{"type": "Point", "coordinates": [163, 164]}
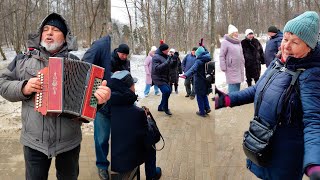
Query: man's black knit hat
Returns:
{"type": "Point", "coordinates": [123, 48]}
{"type": "Point", "coordinates": [273, 29]}
{"type": "Point", "coordinates": [57, 22]}
{"type": "Point", "coordinates": [163, 46]}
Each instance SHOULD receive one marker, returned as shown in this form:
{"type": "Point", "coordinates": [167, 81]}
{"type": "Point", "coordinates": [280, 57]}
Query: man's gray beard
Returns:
{"type": "Point", "coordinates": [52, 46]}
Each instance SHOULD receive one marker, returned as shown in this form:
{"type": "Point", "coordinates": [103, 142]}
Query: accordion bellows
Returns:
{"type": "Point", "coordinates": [68, 88]}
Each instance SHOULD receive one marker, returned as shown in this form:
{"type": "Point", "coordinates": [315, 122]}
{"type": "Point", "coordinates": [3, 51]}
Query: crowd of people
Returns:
{"type": "Point", "coordinates": [47, 136]}
{"type": "Point", "coordinates": [240, 59]}
{"type": "Point", "coordinates": [286, 98]}
{"type": "Point", "coordinates": [283, 137]}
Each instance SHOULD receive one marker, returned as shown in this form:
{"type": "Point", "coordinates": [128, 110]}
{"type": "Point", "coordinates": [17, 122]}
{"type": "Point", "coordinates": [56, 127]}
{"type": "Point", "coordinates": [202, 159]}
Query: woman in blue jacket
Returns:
{"type": "Point", "coordinates": [295, 145]}
{"type": "Point", "coordinates": [200, 83]}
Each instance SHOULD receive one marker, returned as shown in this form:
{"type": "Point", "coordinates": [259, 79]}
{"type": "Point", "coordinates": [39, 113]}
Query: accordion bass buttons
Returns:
{"type": "Point", "coordinates": [41, 98]}
{"type": "Point", "coordinates": [39, 95]}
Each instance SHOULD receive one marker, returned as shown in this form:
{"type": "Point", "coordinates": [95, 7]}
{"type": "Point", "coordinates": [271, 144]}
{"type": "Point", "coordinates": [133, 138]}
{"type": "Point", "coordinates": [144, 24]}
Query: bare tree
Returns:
{"type": "Point", "coordinates": [212, 47]}
{"type": "Point", "coordinates": [92, 14]}
{"type": "Point", "coordinates": [130, 22]}
{"type": "Point", "coordinates": [2, 54]}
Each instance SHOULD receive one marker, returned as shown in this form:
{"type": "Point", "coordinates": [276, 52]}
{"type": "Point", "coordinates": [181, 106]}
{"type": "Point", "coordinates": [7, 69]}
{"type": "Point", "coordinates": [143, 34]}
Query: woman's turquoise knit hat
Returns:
{"type": "Point", "coordinates": [306, 27]}
{"type": "Point", "coordinates": [199, 51]}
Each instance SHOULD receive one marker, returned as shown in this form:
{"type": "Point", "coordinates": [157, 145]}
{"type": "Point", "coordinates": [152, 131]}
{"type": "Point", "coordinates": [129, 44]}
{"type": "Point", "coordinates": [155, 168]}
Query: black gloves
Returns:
{"type": "Point", "coordinates": [222, 100]}
{"type": "Point", "coordinates": [175, 56]}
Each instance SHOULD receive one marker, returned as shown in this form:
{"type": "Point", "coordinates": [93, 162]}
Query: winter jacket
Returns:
{"type": "Point", "coordinates": [295, 144]}
{"type": "Point", "coordinates": [198, 72]}
{"type": "Point", "coordinates": [160, 68]}
{"type": "Point", "coordinates": [129, 127]}
{"type": "Point", "coordinates": [232, 60]}
{"type": "Point", "coordinates": [254, 57]}
{"type": "Point", "coordinates": [148, 67]}
{"type": "Point", "coordinates": [117, 64]}
{"type": "Point", "coordinates": [272, 48]}
{"type": "Point", "coordinates": [175, 70]}
{"type": "Point", "coordinates": [47, 134]}
{"type": "Point", "coordinates": [188, 62]}
{"type": "Point", "coordinates": [100, 55]}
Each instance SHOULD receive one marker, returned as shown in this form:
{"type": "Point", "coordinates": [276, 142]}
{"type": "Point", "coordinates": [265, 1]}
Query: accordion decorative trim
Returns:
{"type": "Point", "coordinates": [68, 88]}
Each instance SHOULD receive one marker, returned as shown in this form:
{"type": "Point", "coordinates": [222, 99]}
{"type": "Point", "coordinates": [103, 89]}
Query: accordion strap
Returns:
{"type": "Point", "coordinates": [35, 53]}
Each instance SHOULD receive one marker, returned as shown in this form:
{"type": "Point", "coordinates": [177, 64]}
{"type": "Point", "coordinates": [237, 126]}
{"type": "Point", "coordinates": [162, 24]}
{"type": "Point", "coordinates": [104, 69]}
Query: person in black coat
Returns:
{"type": "Point", "coordinates": [175, 70]}
{"type": "Point", "coordinates": [253, 55]}
{"type": "Point", "coordinates": [272, 46]}
{"type": "Point", "coordinates": [129, 127]}
{"type": "Point", "coordinates": [160, 75]}
{"type": "Point", "coordinates": [119, 59]}
{"type": "Point", "coordinates": [100, 54]}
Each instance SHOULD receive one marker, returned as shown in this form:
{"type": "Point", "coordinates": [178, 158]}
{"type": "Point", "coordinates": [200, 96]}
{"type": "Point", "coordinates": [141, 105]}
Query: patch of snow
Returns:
{"type": "Point", "coordinates": [10, 112]}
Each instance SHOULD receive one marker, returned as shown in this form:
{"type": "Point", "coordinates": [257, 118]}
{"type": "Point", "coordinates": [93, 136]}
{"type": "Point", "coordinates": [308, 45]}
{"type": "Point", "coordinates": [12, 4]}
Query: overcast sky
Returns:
{"type": "Point", "coordinates": [119, 11]}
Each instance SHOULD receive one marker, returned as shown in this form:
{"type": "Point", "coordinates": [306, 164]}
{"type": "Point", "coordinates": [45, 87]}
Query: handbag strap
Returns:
{"type": "Point", "coordinates": [277, 67]}
{"type": "Point", "coordinates": [294, 83]}
{"type": "Point", "coordinates": [148, 113]}
{"type": "Point", "coordinates": [274, 69]}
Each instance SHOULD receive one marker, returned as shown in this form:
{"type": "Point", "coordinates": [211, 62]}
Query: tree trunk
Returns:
{"type": "Point", "coordinates": [16, 40]}
{"type": "Point", "coordinates": [145, 16]}
{"type": "Point", "coordinates": [74, 19]}
{"type": "Point", "coordinates": [91, 20]}
{"type": "Point", "coordinates": [212, 28]}
{"type": "Point", "coordinates": [2, 54]}
{"type": "Point", "coordinates": [286, 11]}
{"type": "Point", "coordinates": [160, 19]}
{"type": "Point", "coordinates": [108, 17]}
{"type": "Point", "coordinates": [149, 23]}
{"type": "Point", "coordinates": [131, 30]}
{"type": "Point", "coordinates": [165, 19]}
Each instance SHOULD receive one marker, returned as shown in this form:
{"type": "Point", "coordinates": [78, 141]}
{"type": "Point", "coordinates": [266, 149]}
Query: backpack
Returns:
{"type": "Point", "coordinates": [209, 72]}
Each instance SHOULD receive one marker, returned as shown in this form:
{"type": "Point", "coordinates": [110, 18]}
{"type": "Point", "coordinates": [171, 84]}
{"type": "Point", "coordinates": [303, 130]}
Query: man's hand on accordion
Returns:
{"type": "Point", "coordinates": [103, 93]}
{"type": "Point", "coordinates": [33, 85]}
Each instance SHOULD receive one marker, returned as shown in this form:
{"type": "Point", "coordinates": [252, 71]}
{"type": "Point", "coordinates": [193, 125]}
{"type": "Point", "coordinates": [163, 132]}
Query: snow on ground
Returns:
{"type": "Point", "coordinates": [137, 66]}
{"type": "Point", "coordinates": [10, 112]}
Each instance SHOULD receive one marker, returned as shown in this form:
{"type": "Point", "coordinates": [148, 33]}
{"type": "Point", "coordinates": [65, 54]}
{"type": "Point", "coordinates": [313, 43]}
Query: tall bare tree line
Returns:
{"type": "Point", "coordinates": [180, 23]}
{"type": "Point", "coordinates": [258, 15]}
{"type": "Point", "coordinates": [88, 19]}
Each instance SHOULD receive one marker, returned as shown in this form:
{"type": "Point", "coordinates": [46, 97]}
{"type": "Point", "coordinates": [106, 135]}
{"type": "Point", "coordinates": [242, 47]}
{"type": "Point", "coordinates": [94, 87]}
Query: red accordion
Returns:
{"type": "Point", "coordinates": [68, 88]}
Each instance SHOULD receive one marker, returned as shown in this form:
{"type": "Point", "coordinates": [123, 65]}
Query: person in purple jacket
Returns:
{"type": "Point", "coordinates": [232, 59]}
{"type": "Point", "coordinates": [148, 69]}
